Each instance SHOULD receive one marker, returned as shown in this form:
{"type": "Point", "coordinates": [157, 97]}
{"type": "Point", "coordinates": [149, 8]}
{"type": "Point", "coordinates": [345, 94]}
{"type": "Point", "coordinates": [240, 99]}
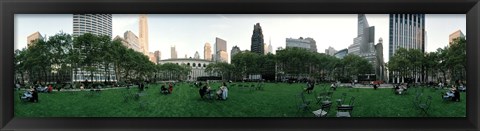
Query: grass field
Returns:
{"type": "Point", "coordinates": [276, 100]}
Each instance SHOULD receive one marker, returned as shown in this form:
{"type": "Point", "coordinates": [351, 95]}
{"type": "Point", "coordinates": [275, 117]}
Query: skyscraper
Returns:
{"type": "Point", "coordinates": [220, 45]}
{"type": "Point", "coordinates": [380, 67]}
{"type": "Point", "coordinates": [158, 56]}
{"type": "Point", "coordinates": [270, 48]}
{"type": "Point", "coordinates": [33, 37]}
{"type": "Point", "coordinates": [143, 33]}
{"type": "Point", "coordinates": [406, 31]}
{"type": "Point", "coordinates": [454, 35]}
{"type": "Point", "coordinates": [130, 40]}
{"type": "Point", "coordinates": [97, 24]}
{"type": "Point", "coordinates": [173, 53]}
{"type": "Point", "coordinates": [365, 39]}
{"type": "Point", "coordinates": [196, 56]}
{"type": "Point", "coordinates": [207, 51]}
{"type": "Point", "coordinates": [235, 50]}
{"type": "Point", "coordinates": [257, 40]}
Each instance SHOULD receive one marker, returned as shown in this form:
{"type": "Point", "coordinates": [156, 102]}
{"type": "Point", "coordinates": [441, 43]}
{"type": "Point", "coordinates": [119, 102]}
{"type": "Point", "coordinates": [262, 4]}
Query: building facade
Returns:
{"type": "Point", "coordinates": [97, 24]}
{"type": "Point", "coordinates": [130, 40]}
{"type": "Point", "coordinates": [198, 66]}
{"type": "Point", "coordinates": [33, 37]}
{"type": "Point", "coordinates": [207, 52]}
{"type": "Point", "coordinates": [307, 43]}
{"type": "Point", "coordinates": [257, 45]}
{"type": "Point", "coordinates": [330, 51]}
{"type": "Point", "coordinates": [454, 35]}
{"type": "Point", "coordinates": [406, 31]}
{"type": "Point", "coordinates": [220, 45]}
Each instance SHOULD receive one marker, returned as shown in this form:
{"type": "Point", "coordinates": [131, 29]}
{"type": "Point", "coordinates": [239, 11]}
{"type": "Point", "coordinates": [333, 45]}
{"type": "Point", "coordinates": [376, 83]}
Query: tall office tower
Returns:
{"type": "Point", "coordinates": [173, 53]}
{"type": "Point", "coordinates": [33, 37]}
{"type": "Point", "coordinates": [380, 67]}
{"type": "Point", "coordinates": [97, 24]}
{"type": "Point", "coordinates": [143, 32]}
{"type": "Point", "coordinates": [235, 50]}
{"type": "Point", "coordinates": [270, 48]}
{"type": "Point", "coordinates": [158, 56]}
{"type": "Point", "coordinates": [196, 56]}
{"type": "Point", "coordinates": [207, 51]}
{"type": "Point", "coordinates": [257, 40]}
{"type": "Point", "coordinates": [222, 56]}
{"type": "Point", "coordinates": [365, 39]}
{"type": "Point", "coordinates": [406, 31]}
{"type": "Point", "coordinates": [130, 40]}
{"type": "Point", "coordinates": [454, 35]}
{"type": "Point", "coordinates": [265, 48]}
{"type": "Point", "coordinates": [220, 45]}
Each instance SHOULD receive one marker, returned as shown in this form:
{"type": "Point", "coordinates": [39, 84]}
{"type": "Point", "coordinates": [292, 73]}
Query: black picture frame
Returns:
{"type": "Point", "coordinates": [10, 7]}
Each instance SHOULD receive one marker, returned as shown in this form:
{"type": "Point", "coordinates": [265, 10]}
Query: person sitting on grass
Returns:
{"type": "Point", "coordinates": [163, 89]}
{"type": "Point", "coordinates": [224, 91]}
{"type": "Point", "coordinates": [170, 88]}
{"type": "Point", "coordinates": [333, 86]}
{"type": "Point", "coordinates": [453, 94]}
{"type": "Point", "coordinates": [310, 86]}
{"type": "Point", "coordinates": [34, 95]}
{"type": "Point", "coordinates": [219, 93]}
{"type": "Point", "coordinates": [50, 88]}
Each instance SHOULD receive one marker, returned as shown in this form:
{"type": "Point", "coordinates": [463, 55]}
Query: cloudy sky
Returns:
{"type": "Point", "coordinates": [189, 32]}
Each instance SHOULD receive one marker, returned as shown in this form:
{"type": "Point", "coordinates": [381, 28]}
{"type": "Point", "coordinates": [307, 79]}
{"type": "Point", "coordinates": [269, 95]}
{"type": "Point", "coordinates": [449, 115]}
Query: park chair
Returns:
{"type": "Point", "coordinates": [303, 104]}
{"type": "Point", "coordinates": [351, 103]}
{"type": "Point", "coordinates": [424, 106]}
{"type": "Point", "coordinates": [342, 98]}
{"type": "Point", "coordinates": [344, 111]}
{"type": "Point", "coordinates": [321, 97]}
{"type": "Point", "coordinates": [323, 111]}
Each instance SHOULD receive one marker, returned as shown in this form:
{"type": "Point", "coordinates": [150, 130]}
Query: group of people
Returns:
{"type": "Point", "coordinates": [30, 95]}
{"type": "Point", "coordinates": [207, 92]}
{"type": "Point", "coordinates": [400, 88]}
{"type": "Point", "coordinates": [453, 94]}
{"type": "Point", "coordinates": [164, 90]}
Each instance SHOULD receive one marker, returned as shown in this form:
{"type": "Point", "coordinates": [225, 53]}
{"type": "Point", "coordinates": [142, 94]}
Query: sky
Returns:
{"type": "Point", "coordinates": [189, 32]}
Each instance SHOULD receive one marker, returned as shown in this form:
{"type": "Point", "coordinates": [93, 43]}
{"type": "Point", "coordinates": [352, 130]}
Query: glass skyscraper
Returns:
{"type": "Point", "coordinates": [406, 31]}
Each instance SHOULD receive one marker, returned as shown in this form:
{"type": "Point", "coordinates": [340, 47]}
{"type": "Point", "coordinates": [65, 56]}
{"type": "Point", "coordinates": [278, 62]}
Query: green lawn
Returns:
{"type": "Point", "coordinates": [276, 100]}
